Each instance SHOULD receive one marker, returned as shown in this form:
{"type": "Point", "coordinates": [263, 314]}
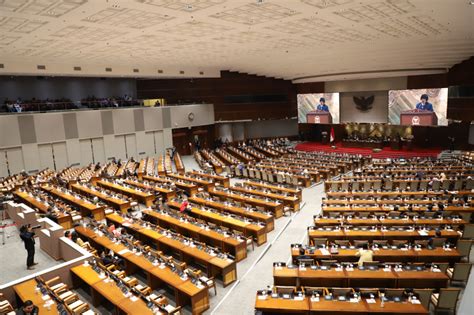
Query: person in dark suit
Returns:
{"type": "Point", "coordinates": [423, 104]}
{"type": "Point", "coordinates": [28, 308]}
{"type": "Point", "coordinates": [322, 105]}
{"type": "Point", "coordinates": [28, 237]}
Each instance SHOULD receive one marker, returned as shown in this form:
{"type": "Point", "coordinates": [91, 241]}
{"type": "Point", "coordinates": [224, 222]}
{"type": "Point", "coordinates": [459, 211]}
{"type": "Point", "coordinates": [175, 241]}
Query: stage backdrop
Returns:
{"type": "Point", "coordinates": [309, 102]}
{"type": "Point", "coordinates": [405, 100]}
{"type": "Point", "coordinates": [364, 107]}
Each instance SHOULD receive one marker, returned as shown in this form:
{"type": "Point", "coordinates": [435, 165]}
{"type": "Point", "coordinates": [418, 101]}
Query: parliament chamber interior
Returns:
{"type": "Point", "coordinates": [236, 157]}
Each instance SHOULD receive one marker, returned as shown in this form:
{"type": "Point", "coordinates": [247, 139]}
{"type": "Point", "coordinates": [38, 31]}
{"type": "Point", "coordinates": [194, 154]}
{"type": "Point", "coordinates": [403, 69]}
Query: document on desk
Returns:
{"type": "Point", "coordinates": [123, 251]}
{"type": "Point", "coordinates": [423, 233]}
{"type": "Point", "coordinates": [324, 251]}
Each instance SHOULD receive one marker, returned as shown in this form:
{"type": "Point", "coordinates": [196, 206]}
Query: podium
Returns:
{"type": "Point", "coordinates": [417, 117]}
{"type": "Point", "coordinates": [318, 117]}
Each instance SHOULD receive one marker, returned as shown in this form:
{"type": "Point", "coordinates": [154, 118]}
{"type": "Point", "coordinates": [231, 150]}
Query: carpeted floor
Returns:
{"type": "Point", "coordinates": [387, 152]}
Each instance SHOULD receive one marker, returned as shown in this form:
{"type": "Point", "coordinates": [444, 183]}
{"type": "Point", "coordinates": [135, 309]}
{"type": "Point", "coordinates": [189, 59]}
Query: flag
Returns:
{"type": "Point", "coordinates": [331, 136]}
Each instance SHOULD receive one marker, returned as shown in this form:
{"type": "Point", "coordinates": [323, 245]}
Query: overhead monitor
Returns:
{"type": "Point", "coordinates": [421, 107]}
{"type": "Point", "coordinates": [318, 108]}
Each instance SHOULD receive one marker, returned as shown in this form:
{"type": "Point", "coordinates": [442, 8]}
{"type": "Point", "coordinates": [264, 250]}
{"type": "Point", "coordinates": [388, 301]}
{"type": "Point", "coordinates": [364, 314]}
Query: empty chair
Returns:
{"type": "Point", "coordinates": [388, 185]}
{"type": "Point", "coordinates": [460, 272]}
{"type": "Point", "coordinates": [334, 186]}
{"type": "Point", "coordinates": [422, 243]}
{"type": "Point", "coordinates": [345, 186]}
{"type": "Point", "coordinates": [424, 295]}
{"type": "Point", "coordinates": [251, 173]}
{"type": "Point", "coordinates": [394, 214]}
{"type": "Point", "coordinates": [446, 299]}
{"type": "Point", "coordinates": [333, 214]}
{"type": "Point", "coordinates": [380, 242]}
{"type": "Point", "coordinates": [423, 185]}
{"type": "Point", "coordinates": [436, 185]}
{"type": "Point", "coordinates": [279, 178]}
{"type": "Point", "coordinates": [227, 170]}
{"type": "Point", "coordinates": [264, 176]}
{"type": "Point", "coordinates": [248, 239]}
{"type": "Point", "coordinates": [270, 177]}
{"type": "Point", "coordinates": [414, 185]}
{"type": "Point", "coordinates": [245, 173]}
{"type": "Point", "coordinates": [257, 174]}
{"type": "Point", "coordinates": [377, 185]}
{"type": "Point", "coordinates": [361, 243]}
{"type": "Point", "coordinates": [319, 241]}
{"type": "Point", "coordinates": [403, 185]}
{"type": "Point", "coordinates": [367, 186]}
{"type": "Point", "coordinates": [336, 292]}
{"type": "Point", "coordinates": [306, 261]}
{"type": "Point", "coordinates": [399, 243]}
{"type": "Point", "coordinates": [289, 179]}
{"type": "Point", "coordinates": [443, 266]}
{"type": "Point", "coordinates": [355, 186]}
{"type": "Point", "coordinates": [367, 292]}
{"type": "Point", "coordinates": [469, 184]}
{"type": "Point", "coordinates": [458, 184]}
{"type": "Point", "coordinates": [438, 241]}
{"type": "Point", "coordinates": [342, 243]}
{"type": "Point", "coordinates": [370, 263]}
{"type": "Point", "coordinates": [445, 184]}
{"type": "Point", "coordinates": [468, 232]}
{"type": "Point", "coordinates": [315, 290]}
{"type": "Point", "coordinates": [284, 290]}
{"type": "Point", "coordinates": [394, 292]}
{"type": "Point", "coordinates": [327, 262]}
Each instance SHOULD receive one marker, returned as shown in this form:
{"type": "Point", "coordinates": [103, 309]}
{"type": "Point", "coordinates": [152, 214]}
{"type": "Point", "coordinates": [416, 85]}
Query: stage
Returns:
{"type": "Point", "coordinates": [386, 152]}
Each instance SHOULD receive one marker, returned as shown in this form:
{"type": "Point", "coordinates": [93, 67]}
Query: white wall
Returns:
{"type": "Point", "coordinates": [238, 131]}
{"type": "Point", "coordinates": [27, 141]}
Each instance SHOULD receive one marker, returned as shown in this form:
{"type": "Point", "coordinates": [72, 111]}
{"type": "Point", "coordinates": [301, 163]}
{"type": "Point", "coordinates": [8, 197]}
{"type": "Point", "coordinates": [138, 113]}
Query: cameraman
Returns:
{"type": "Point", "coordinates": [27, 235]}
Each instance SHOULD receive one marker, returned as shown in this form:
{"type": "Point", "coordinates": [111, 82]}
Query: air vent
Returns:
{"type": "Point", "coordinates": [2, 66]}
{"type": "Point", "coordinates": [160, 71]}
{"type": "Point", "coordinates": [77, 68]}
{"type": "Point", "coordinates": [108, 69]}
{"type": "Point", "coordinates": [181, 72]}
{"type": "Point", "coordinates": [201, 73]}
{"type": "Point", "coordinates": [136, 70]}
{"type": "Point", "coordinates": [41, 67]}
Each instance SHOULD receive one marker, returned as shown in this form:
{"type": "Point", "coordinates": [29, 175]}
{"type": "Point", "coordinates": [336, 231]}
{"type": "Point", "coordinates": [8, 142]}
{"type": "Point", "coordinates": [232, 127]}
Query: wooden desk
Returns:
{"type": "Point", "coordinates": [258, 232]}
{"type": "Point", "coordinates": [234, 246]}
{"type": "Point", "coordinates": [289, 201]}
{"type": "Point", "coordinates": [166, 193]}
{"type": "Point", "coordinates": [387, 255]}
{"type": "Point", "coordinates": [191, 189]}
{"type": "Point", "coordinates": [282, 306]}
{"type": "Point", "coordinates": [142, 197]}
{"type": "Point", "coordinates": [27, 291]}
{"type": "Point", "coordinates": [84, 206]}
{"type": "Point", "coordinates": [116, 203]}
{"type": "Point", "coordinates": [269, 220]}
{"type": "Point", "coordinates": [274, 207]}
{"type": "Point", "coordinates": [198, 182]}
{"type": "Point", "coordinates": [356, 221]}
{"type": "Point", "coordinates": [185, 292]}
{"type": "Point", "coordinates": [223, 180]}
{"type": "Point", "coordinates": [65, 220]}
{"type": "Point", "coordinates": [292, 191]}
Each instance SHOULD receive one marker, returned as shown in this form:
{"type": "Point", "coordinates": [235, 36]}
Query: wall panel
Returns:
{"type": "Point", "coordinates": [9, 131]}
{"type": "Point", "coordinates": [89, 124]}
{"type": "Point", "coordinates": [120, 148]}
{"type": "Point", "coordinates": [131, 146]}
{"type": "Point", "coordinates": [15, 160]}
{"type": "Point", "coordinates": [49, 128]}
{"type": "Point", "coordinates": [86, 151]}
{"type": "Point", "coordinates": [46, 156]}
{"type": "Point", "coordinates": [98, 150]}
{"type": "Point", "coordinates": [3, 164]}
{"type": "Point", "coordinates": [60, 155]}
{"type": "Point", "coordinates": [160, 142]}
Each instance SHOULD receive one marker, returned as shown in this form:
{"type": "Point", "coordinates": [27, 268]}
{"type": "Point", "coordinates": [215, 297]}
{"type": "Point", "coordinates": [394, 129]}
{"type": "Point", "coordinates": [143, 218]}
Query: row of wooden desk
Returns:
{"type": "Point", "coordinates": [116, 203]}
{"type": "Point", "coordinates": [268, 219]}
{"type": "Point", "coordinates": [191, 189]}
{"type": "Point", "coordinates": [258, 232]}
{"type": "Point", "coordinates": [354, 277]}
{"type": "Point", "coordinates": [385, 255]}
{"type": "Point", "coordinates": [166, 193]}
{"type": "Point", "coordinates": [269, 305]}
{"type": "Point", "coordinates": [143, 197]}
{"type": "Point", "coordinates": [357, 208]}
{"type": "Point", "coordinates": [229, 244]}
{"type": "Point", "coordinates": [387, 221]}
{"type": "Point", "coordinates": [378, 234]}
{"type": "Point", "coordinates": [185, 292]}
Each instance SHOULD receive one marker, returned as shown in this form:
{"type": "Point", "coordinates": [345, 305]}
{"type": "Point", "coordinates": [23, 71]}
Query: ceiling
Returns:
{"type": "Point", "coordinates": [302, 40]}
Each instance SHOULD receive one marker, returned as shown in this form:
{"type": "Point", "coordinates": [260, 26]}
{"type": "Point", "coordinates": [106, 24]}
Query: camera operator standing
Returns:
{"type": "Point", "coordinates": [27, 235]}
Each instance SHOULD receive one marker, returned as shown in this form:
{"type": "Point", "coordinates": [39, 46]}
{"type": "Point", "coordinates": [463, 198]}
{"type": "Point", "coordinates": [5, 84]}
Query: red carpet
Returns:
{"type": "Point", "coordinates": [387, 152]}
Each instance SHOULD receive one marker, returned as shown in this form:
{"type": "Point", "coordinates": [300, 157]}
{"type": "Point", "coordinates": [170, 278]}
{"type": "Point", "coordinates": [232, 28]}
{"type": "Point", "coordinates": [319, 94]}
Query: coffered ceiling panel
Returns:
{"type": "Point", "coordinates": [285, 38]}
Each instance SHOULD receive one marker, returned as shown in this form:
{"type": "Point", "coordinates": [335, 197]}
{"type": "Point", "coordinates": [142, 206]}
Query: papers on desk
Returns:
{"type": "Point", "coordinates": [370, 301]}
{"type": "Point", "coordinates": [338, 269]}
{"type": "Point", "coordinates": [324, 251]}
{"type": "Point", "coordinates": [398, 269]}
{"type": "Point", "coordinates": [354, 300]}
{"type": "Point", "coordinates": [415, 301]}
{"type": "Point", "coordinates": [387, 269]}
{"type": "Point", "coordinates": [436, 270]}
{"type": "Point", "coordinates": [298, 298]}
{"type": "Point", "coordinates": [200, 286]}
{"type": "Point", "coordinates": [260, 297]}
{"type": "Point", "coordinates": [45, 297]}
{"type": "Point", "coordinates": [126, 224]}
{"type": "Point", "coordinates": [404, 249]}
{"type": "Point", "coordinates": [423, 232]}
{"type": "Point", "coordinates": [278, 268]}
{"type": "Point", "coordinates": [349, 269]}
{"type": "Point", "coordinates": [123, 251]}
{"type": "Point", "coordinates": [448, 249]}
{"type": "Point", "coordinates": [133, 298]}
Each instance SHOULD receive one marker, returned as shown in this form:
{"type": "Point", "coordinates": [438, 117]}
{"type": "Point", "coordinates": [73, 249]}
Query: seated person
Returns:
{"type": "Point", "coordinates": [364, 254]}
{"type": "Point", "coordinates": [28, 308]}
